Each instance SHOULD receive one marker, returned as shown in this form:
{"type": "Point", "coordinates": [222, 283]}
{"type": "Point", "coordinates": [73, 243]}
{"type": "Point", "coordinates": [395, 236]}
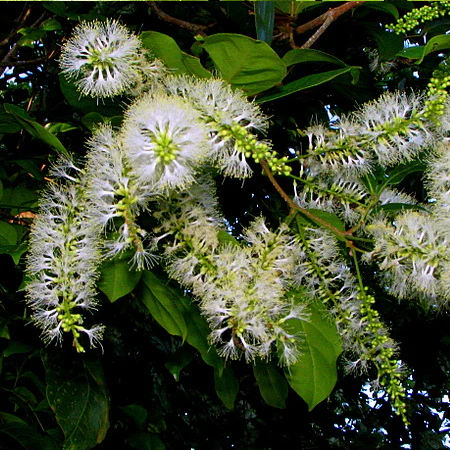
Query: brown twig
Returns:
{"type": "Point", "coordinates": [198, 29]}
{"type": "Point", "coordinates": [294, 207]}
{"type": "Point", "coordinates": [323, 22]}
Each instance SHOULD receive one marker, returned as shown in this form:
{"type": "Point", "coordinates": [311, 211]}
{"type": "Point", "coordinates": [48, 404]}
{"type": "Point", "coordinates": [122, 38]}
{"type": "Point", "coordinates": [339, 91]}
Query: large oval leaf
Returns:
{"type": "Point", "coordinates": [77, 394]}
{"type": "Point", "coordinates": [227, 386]}
{"type": "Point", "coordinates": [314, 375]}
{"type": "Point", "coordinates": [244, 62]}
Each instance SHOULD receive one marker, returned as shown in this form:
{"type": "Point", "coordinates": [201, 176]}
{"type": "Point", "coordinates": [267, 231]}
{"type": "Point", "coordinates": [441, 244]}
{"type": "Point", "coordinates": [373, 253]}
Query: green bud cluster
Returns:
{"type": "Point", "coordinates": [247, 143]}
{"type": "Point", "coordinates": [382, 354]}
{"type": "Point", "coordinates": [437, 92]}
{"type": "Point", "coordinates": [415, 18]}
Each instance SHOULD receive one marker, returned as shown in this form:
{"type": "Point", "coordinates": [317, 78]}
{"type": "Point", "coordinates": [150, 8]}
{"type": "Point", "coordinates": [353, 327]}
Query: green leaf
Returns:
{"type": "Point", "coordinates": [166, 49]}
{"type": "Point", "coordinates": [264, 20]}
{"type": "Point", "coordinates": [398, 174]}
{"type": "Point", "coordinates": [30, 36]}
{"type": "Point", "coordinates": [244, 62]}
{"type": "Point", "coordinates": [272, 385]}
{"type": "Point", "coordinates": [136, 412]}
{"type": "Point", "coordinates": [435, 44]}
{"type": "Point", "coordinates": [304, 83]}
{"type": "Point", "coordinates": [93, 119]}
{"type": "Point", "coordinates": [314, 375]}
{"type": "Point", "coordinates": [27, 437]}
{"type": "Point", "coordinates": [179, 360]}
{"type": "Point", "coordinates": [51, 25]}
{"type": "Point", "coordinates": [34, 128]}
{"type": "Point", "coordinates": [292, 8]}
{"type": "Point", "coordinates": [8, 234]}
{"type": "Point", "coordinates": [175, 312]}
{"type": "Point", "coordinates": [164, 304]}
{"type": "Point", "coordinates": [8, 124]}
{"type": "Point", "coordinates": [143, 440]}
{"type": "Point", "coordinates": [389, 44]}
{"type": "Point", "coordinates": [116, 278]}
{"type": "Point", "coordinates": [395, 207]}
{"type": "Point", "coordinates": [77, 394]}
{"type": "Point", "coordinates": [306, 55]}
{"type": "Point", "coordinates": [383, 6]}
{"type": "Point", "coordinates": [17, 347]}
{"type": "Point", "coordinates": [227, 386]}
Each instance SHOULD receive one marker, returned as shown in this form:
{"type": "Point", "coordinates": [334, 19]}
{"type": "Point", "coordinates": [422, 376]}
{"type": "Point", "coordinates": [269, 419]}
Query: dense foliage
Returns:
{"type": "Point", "coordinates": [224, 225]}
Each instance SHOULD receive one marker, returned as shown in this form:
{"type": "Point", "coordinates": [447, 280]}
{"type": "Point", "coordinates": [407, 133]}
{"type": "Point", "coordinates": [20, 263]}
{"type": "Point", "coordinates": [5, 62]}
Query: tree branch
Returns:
{"type": "Point", "coordinates": [198, 29]}
{"type": "Point", "coordinates": [324, 21]}
{"type": "Point", "coordinates": [294, 207]}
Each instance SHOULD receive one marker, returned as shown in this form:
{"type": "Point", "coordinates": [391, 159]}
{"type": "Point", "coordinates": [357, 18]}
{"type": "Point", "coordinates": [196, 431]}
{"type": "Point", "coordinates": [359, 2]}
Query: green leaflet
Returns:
{"type": "Point", "coordinates": [244, 62]}
{"type": "Point", "coordinates": [116, 278]}
{"type": "Point", "coordinates": [179, 360]}
{"type": "Point", "coordinates": [227, 386]}
{"type": "Point", "coordinates": [34, 128]}
{"type": "Point", "coordinates": [167, 50]}
{"type": "Point", "coordinates": [314, 375]}
{"type": "Point", "coordinates": [435, 44]}
{"type": "Point", "coordinates": [305, 83]}
{"type": "Point", "coordinates": [272, 385]}
{"type": "Point", "coordinates": [77, 394]}
{"type": "Point", "coordinates": [306, 55]}
{"type": "Point", "coordinates": [176, 313]}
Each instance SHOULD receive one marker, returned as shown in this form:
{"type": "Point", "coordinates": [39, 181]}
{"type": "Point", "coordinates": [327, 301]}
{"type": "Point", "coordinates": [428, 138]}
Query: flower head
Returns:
{"type": "Point", "coordinates": [103, 58]}
{"type": "Point", "coordinates": [164, 141]}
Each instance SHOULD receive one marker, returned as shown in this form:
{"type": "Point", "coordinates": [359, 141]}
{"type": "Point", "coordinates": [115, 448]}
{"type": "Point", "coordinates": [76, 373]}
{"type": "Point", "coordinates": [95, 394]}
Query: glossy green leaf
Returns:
{"type": "Point", "coordinates": [77, 394]}
{"type": "Point", "coordinates": [272, 385]}
{"type": "Point", "coordinates": [264, 20]}
{"type": "Point", "coordinates": [386, 7]}
{"type": "Point", "coordinates": [34, 128]}
{"type": "Point", "coordinates": [176, 312]}
{"type": "Point", "coordinates": [8, 124]}
{"type": "Point", "coordinates": [293, 8]}
{"type": "Point", "coordinates": [179, 360]}
{"type": "Point", "coordinates": [389, 44]}
{"type": "Point", "coordinates": [435, 44]}
{"type": "Point", "coordinates": [303, 83]}
{"type": "Point", "coordinates": [314, 375]}
{"type": "Point", "coordinates": [227, 386]}
{"type": "Point", "coordinates": [306, 55]}
{"type": "Point", "coordinates": [244, 62]}
{"type": "Point", "coordinates": [116, 279]}
{"type": "Point", "coordinates": [166, 49]}
{"type": "Point", "coordinates": [163, 304]}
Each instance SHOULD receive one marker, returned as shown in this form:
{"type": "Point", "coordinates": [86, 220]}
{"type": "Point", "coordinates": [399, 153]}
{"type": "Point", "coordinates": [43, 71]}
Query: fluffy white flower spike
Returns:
{"type": "Point", "coordinates": [103, 58]}
{"type": "Point", "coordinates": [164, 141]}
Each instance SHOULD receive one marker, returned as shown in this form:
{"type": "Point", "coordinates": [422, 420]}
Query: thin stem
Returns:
{"type": "Point", "coordinates": [294, 207]}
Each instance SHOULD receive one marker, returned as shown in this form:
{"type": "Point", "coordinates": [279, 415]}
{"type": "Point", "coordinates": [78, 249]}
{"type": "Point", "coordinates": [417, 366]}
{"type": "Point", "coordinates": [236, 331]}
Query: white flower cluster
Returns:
{"type": "Point", "coordinates": [175, 128]}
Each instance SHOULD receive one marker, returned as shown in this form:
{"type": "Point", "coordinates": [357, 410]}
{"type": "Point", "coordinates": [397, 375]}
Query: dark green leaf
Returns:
{"type": "Point", "coordinates": [16, 347]}
{"type": "Point", "coordinates": [143, 440]}
{"type": "Point", "coordinates": [305, 55]}
{"type": "Point", "coordinates": [293, 8]}
{"type": "Point", "coordinates": [8, 234]}
{"type": "Point", "coordinates": [179, 360]}
{"type": "Point", "coordinates": [264, 20]}
{"type": "Point", "coordinates": [227, 386]}
{"type": "Point", "coordinates": [246, 63]}
{"type": "Point", "coordinates": [77, 394]}
{"type": "Point", "coordinates": [164, 304]}
{"type": "Point", "coordinates": [177, 312]}
{"type": "Point", "coordinates": [389, 44]}
{"type": "Point", "coordinates": [398, 174]}
{"type": "Point", "coordinates": [137, 413]}
{"type": "Point", "coordinates": [27, 437]}
{"type": "Point", "coordinates": [8, 124]}
{"type": "Point", "coordinates": [116, 278]}
{"type": "Point", "coordinates": [303, 83]}
{"type": "Point", "coordinates": [272, 385]}
{"type": "Point", "coordinates": [394, 207]}
{"type": "Point", "coordinates": [34, 128]}
{"type": "Point", "coordinates": [51, 24]}
{"type": "Point", "coordinates": [314, 375]}
{"type": "Point", "coordinates": [435, 44]}
{"type": "Point", "coordinates": [383, 6]}
{"type": "Point", "coordinates": [167, 50]}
